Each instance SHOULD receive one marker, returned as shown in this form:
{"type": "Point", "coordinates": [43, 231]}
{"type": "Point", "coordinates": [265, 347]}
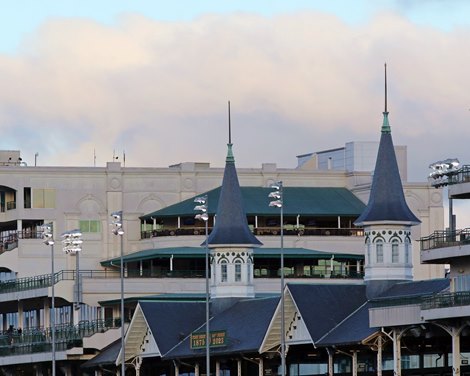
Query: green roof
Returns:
{"type": "Point", "coordinates": [304, 201]}
{"type": "Point", "coordinates": [200, 252]}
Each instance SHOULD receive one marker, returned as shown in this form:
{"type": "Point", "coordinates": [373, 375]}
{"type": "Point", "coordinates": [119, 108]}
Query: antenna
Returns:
{"type": "Point", "coordinates": [94, 157]}
{"type": "Point", "coordinates": [385, 65]}
{"type": "Point", "coordinates": [229, 125]}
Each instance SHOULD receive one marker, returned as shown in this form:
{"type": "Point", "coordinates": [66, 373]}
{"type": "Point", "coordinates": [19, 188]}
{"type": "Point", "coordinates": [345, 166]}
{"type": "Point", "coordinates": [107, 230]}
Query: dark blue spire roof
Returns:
{"type": "Point", "coordinates": [387, 201]}
{"type": "Point", "coordinates": [231, 226]}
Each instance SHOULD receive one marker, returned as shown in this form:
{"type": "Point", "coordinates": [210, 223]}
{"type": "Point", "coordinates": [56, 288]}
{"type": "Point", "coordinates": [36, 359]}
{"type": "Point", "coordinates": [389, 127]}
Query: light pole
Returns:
{"type": "Point", "coordinates": [72, 243]}
{"type": "Point", "coordinates": [202, 208]}
{"type": "Point", "coordinates": [48, 238]}
{"type": "Point", "coordinates": [277, 196]}
{"type": "Point", "coordinates": [119, 230]}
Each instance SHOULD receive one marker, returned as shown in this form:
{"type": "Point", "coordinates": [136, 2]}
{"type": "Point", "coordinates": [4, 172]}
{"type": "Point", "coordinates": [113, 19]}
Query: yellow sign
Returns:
{"type": "Point", "coordinates": [218, 338]}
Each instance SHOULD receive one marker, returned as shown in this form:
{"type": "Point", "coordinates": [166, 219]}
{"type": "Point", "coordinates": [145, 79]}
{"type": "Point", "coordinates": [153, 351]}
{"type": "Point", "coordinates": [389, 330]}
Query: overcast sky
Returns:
{"type": "Point", "coordinates": [152, 78]}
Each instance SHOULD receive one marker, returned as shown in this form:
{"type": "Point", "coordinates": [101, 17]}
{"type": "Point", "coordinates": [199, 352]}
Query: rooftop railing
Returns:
{"type": "Point", "coordinates": [455, 299]}
{"type": "Point", "coordinates": [426, 302]}
{"type": "Point", "coordinates": [443, 239]}
{"type": "Point", "coordinates": [38, 340]}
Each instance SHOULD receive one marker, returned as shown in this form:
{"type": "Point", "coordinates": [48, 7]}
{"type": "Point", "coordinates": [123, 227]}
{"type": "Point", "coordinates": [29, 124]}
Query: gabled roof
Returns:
{"type": "Point", "coordinates": [171, 322]}
{"type": "Point", "coordinates": [199, 252]}
{"type": "Point", "coordinates": [231, 227]}
{"type": "Point", "coordinates": [352, 330]}
{"type": "Point", "coordinates": [323, 307]}
{"type": "Point", "coordinates": [241, 336]}
{"type": "Point", "coordinates": [107, 356]}
{"type": "Point", "coordinates": [387, 201]}
{"type": "Point", "coordinates": [303, 201]}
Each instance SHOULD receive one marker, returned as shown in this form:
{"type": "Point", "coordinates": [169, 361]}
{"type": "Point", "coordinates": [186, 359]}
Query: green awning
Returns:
{"type": "Point", "coordinates": [200, 252]}
{"type": "Point", "coordinates": [303, 201]}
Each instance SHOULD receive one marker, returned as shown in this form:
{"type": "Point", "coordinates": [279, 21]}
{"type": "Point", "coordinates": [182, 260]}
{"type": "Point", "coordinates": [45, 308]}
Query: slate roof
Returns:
{"type": "Point", "coordinates": [386, 200]}
{"type": "Point", "coordinates": [352, 330]}
{"type": "Point", "coordinates": [199, 252]}
{"type": "Point", "coordinates": [323, 307]}
{"type": "Point", "coordinates": [416, 288]}
{"type": "Point", "coordinates": [171, 322]}
{"type": "Point", "coordinates": [107, 356]}
{"type": "Point", "coordinates": [245, 323]}
{"type": "Point", "coordinates": [306, 201]}
{"type": "Point", "coordinates": [231, 227]}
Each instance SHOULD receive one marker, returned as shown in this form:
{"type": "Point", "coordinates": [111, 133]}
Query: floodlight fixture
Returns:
{"type": "Point", "coordinates": [203, 217]}
{"type": "Point", "coordinates": [200, 199]}
{"type": "Point", "coordinates": [202, 208]}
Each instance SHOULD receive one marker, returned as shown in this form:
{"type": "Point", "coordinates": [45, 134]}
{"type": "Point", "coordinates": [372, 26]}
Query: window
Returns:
{"type": "Point", "coordinates": [90, 226]}
{"type": "Point", "coordinates": [379, 251]}
{"type": "Point", "coordinates": [407, 251]}
{"type": "Point", "coordinates": [395, 256]}
{"type": "Point", "coordinates": [44, 198]}
{"type": "Point", "coordinates": [223, 271]}
{"type": "Point", "coordinates": [27, 197]}
{"type": "Point", "coordinates": [238, 271]}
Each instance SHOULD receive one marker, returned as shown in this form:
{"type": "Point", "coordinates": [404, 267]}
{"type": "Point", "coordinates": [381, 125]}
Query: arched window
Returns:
{"type": "Point", "coordinates": [395, 255]}
{"type": "Point", "coordinates": [223, 271]}
{"type": "Point", "coordinates": [407, 251]}
{"type": "Point", "coordinates": [238, 271]}
{"type": "Point", "coordinates": [379, 249]}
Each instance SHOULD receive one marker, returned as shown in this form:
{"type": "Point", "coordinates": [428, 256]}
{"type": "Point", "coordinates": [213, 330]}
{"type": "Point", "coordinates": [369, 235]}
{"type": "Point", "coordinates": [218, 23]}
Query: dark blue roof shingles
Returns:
{"type": "Point", "coordinates": [323, 307]}
{"type": "Point", "coordinates": [386, 201]}
{"type": "Point", "coordinates": [171, 322]}
{"type": "Point", "coordinates": [231, 226]}
{"type": "Point", "coordinates": [245, 323]}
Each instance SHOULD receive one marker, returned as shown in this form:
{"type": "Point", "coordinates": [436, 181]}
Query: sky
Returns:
{"type": "Point", "coordinates": [82, 81]}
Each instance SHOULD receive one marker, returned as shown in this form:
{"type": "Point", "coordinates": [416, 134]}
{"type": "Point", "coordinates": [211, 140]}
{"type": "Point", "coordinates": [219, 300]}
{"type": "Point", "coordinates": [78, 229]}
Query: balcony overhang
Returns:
{"type": "Point", "coordinates": [442, 255]}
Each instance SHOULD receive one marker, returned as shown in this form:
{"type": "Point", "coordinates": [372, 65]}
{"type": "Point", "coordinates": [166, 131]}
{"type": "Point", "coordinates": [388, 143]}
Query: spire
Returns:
{"type": "Point", "coordinates": [230, 158]}
{"type": "Point", "coordinates": [387, 201]}
{"type": "Point", "coordinates": [231, 226]}
{"type": "Point", "coordinates": [385, 124]}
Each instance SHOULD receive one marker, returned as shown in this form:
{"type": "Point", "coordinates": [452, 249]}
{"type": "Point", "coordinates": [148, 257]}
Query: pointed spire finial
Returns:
{"type": "Point", "coordinates": [230, 157]}
{"type": "Point", "coordinates": [385, 124]}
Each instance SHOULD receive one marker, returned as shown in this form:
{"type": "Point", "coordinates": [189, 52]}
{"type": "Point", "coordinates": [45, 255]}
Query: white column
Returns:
{"type": "Point", "coordinates": [21, 314]}
{"type": "Point", "coordinates": [177, 370]}
{"type": "Point", "coordinates": [261, 367]}
{"type": "Point", "coordinates": [379, 355]}
{"type": "Point", "coordinates": [396, 353]}
{"type": "Point", "coordinates": [330, 362]}
{"type": "Point", "coordinates": [217, 368]}
{"type": "Point", "coordinates": [239, 367]}
{"type": "Point", "coordinates": [196, 370]}
{"type": "Point", "coordinates": [455, 333]}
{"type": "Point", "coordinates": [47, 313]}
{"type": "Point", "coordinates": [354, 363]}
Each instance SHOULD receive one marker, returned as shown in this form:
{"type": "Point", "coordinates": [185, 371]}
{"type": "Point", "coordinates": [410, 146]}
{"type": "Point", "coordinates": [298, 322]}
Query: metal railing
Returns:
{"type": "Point", "coordinates": [456, 299]}
{"type": "Point", "coordinates": [43, 281]}
{"type": "Point", "coordinates": [443, 239]}
{"type": "Point", "coordinates": [37, 340]}
{"type": "Point", "coordinates": [398, 301]}
{"type": "Point", "coordinates": [268, 231]}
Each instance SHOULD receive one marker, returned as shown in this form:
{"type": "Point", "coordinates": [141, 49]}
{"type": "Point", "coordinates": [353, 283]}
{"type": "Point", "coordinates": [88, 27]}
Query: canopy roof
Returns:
{"type": "Point", "coordinates": [304, 201]}
{"type": "Point", "coordinates": [200, 252]}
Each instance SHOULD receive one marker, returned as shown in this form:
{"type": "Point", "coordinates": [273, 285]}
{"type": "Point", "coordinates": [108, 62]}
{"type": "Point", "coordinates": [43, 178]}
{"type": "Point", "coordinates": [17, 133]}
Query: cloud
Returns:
{"type": "Point", "coordinates": [299, 82]}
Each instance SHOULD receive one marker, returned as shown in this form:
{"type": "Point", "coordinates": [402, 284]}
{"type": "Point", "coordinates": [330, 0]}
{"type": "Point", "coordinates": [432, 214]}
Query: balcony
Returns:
{"type": "Point", "coordinates": [264, 231]}
{"type": "Point", "coordinates": [38, 340]}
{"type": "Point", "coordinates": [441, 246]}
{"type": "Point", "coordinates": [442, 306]}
